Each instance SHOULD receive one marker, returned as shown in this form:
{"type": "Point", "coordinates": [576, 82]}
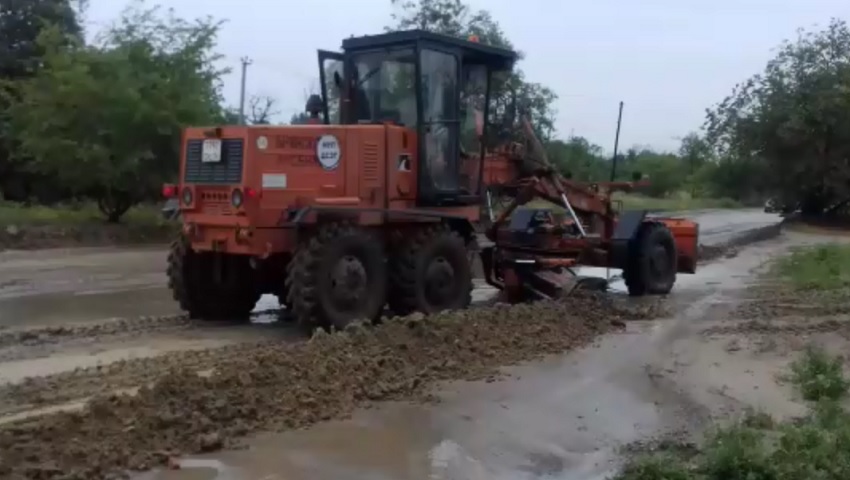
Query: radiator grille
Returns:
{"type": "Point", "coordinates": [229, 170]}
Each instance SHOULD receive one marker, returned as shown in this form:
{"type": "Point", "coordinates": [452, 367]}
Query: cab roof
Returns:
{"type": "Point", "coordinates": [473, 52]}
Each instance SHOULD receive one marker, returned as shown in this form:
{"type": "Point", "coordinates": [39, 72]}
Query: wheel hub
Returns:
{"type": "Point", "coordinates": [439, 281]}
{"type": "Point", "coordinates": [348, 280]}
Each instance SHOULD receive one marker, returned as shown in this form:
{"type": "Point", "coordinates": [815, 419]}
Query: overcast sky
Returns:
{"type": "Point", "coordinates": [666, 59]}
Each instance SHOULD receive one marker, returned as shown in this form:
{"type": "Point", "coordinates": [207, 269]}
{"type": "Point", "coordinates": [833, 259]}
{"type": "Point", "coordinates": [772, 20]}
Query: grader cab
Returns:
{"type": "Point", "coordinates": [375, 202]}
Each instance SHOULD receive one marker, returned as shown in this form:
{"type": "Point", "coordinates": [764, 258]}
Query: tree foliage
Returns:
{"type": "Point", "coordinates": [106, 118]}
{"type": "Point", "coordinates": [21, 23]}
{"type": "Point", "coordinates": [788, 127]}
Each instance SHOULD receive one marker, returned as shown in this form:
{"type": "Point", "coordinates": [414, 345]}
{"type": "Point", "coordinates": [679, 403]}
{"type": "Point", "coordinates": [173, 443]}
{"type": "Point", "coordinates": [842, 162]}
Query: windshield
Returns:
{"type": "Point", "coordinates": [385, 89]}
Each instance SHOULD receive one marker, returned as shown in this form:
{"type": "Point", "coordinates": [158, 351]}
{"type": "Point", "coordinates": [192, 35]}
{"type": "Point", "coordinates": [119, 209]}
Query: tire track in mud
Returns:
{"type": "Point", "coordinates": [21, 344]}
{"type": "Point", "coordinates": [32, 337]}
{"type": "Point", "coordinates": [842, 326]}
{"type": "Point", "coordinates": [776, 307]}
{"type": "Point", "coordinates": [82, 383]}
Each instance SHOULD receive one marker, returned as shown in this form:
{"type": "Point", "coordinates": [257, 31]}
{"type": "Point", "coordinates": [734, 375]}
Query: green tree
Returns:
{"type": "Point", "coordinates": [667, 172]}
{"type": "Point", "coordinates": [299, 118]}
{"type": "Point", "coordinates": [791, 121]}
{"type": "Point", "coordinates": [579, 159]}
{"type": "Point", "coordinates": [695, 152]}
{"type": "Point", "coordinates": [105, 119]}
{"type": "Point", "coordinates": [21, 22]}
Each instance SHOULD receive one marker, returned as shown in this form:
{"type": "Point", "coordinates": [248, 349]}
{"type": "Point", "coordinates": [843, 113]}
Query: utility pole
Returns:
{"type": "Point", "coordinates": [616, 143]}
{"type": "Point", "coordinates": [245, 62]}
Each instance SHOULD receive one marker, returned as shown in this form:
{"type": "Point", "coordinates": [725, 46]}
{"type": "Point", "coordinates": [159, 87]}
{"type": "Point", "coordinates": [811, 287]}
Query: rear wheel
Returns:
{"type": "Point", "coordinates": [652, 267]}
{"type": "Point", "coordinates": [338, 276]}
{"type": "Point", "coordinates": [430, 272]}
{"type": "Point", "coordinates": [210, 288]}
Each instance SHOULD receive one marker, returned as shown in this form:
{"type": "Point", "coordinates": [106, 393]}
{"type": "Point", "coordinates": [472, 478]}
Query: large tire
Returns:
{"type": "Point", "coordinates": [190, 279]}
{"type": "Point", "coordinates": [283, 296]}
{"type": "Point", "coordinates": [651, 269]}
{"type": "Point", "coordinates": [430, 271]}
{"type": "Point", "coordinates": [338, 276]}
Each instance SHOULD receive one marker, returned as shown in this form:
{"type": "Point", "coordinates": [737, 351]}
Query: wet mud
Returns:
{"type": "Point", "coordinates": [82, 383]}
{"type": "Point", "coordinates": [774, 308]}
{"type": "Point", "coordinates": [283, 386]}
{"type": "Point", "coordinates": [138, 413]}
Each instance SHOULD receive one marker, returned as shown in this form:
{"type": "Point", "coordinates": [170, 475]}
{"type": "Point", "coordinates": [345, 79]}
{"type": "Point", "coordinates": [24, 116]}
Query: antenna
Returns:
{"type": "Point", "coordinates": [616, 143]}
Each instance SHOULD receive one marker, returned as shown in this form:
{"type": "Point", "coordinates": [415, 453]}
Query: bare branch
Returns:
{"type": "Point", "coordinates": [262, 109]}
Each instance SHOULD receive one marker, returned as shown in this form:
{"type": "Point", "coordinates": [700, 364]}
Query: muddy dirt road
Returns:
{"type": "Point", "coordinates": [60, 344]}
{"type": "Point", "coordinates": [568, 417]}
{"type": "Point", "coordinates": [52, 287]}
{"type": "Point", "coordinates": [562, 418]}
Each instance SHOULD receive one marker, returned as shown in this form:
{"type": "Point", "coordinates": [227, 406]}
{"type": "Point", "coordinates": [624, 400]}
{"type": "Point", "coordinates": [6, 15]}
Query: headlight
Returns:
{"type": "Point", "coordinates": [187, 196]}
{"type": "Point", "coordinates": [236, 198]}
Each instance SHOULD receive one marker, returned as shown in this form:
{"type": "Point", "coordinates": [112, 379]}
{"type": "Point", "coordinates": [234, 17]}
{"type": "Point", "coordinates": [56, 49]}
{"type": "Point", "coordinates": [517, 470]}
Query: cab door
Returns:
{"type": "Point", "coordinates": [439, 126]}
{"type": "Point", "coordinates": [332, 79]}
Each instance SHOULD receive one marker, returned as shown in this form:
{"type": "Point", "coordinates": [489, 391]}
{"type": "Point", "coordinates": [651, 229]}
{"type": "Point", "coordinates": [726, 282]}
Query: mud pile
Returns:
{"type": "Point", "coordinates": [279, 386]}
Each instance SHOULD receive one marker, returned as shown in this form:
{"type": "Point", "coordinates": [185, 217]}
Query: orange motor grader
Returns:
{"type": "Point", "coordinates": [375, 202]}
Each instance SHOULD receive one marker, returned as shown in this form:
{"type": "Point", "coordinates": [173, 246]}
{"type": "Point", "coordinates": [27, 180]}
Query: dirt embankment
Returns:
{"type": "Point", "coordinates": [275, 386]}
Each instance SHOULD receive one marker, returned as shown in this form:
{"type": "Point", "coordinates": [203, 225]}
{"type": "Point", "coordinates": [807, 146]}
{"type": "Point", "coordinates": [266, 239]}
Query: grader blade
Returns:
{"type": "Point", "coordinates": [524, 280]}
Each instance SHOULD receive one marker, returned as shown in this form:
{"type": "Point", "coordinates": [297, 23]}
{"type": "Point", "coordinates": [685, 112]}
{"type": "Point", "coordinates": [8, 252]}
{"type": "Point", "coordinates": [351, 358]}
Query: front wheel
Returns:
{"type": "Point", "coordinates": [651, 269]}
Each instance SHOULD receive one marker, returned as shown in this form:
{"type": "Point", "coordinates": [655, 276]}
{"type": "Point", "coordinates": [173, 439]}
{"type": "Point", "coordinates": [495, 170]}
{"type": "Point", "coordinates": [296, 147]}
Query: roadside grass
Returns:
{"type": "Point", "coordinates": [817, 376]}
{"type": "Point", "coordinates": [74, 214]}
{"type": "Point", "coordinates": [757, 448]}
{"type": "Point", "coordinates": [822, 267]}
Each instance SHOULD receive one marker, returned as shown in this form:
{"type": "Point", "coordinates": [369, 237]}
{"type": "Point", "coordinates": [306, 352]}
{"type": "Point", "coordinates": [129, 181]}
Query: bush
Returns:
{"type": "Point", "coordinates": [818, 376]}
{"type": "Point", "coordinates": [823, 267]}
